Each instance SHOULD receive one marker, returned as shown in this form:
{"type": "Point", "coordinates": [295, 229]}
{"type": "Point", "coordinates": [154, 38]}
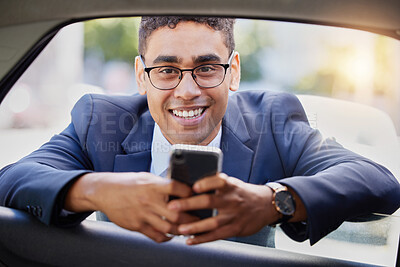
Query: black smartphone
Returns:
{"type": "Point", "coordinates": [189, 163]}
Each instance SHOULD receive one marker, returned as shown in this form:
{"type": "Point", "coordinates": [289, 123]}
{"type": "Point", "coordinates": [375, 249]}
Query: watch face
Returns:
{"type": "Point", "coordinates": [284, 202]}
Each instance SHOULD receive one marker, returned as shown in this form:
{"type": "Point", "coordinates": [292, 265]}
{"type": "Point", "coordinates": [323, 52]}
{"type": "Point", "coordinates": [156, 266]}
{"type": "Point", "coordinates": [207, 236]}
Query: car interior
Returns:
{"type": "Point", "coordinates": [28, 28]}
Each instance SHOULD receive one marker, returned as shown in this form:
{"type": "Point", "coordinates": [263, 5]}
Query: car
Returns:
{"type": "Point", "coordinates": [27, 28]}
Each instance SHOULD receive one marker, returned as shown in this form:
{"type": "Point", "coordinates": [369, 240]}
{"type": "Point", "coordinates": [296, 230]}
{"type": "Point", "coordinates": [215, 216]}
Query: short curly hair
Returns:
{"type": "Point", "coordinates": [149, 24]}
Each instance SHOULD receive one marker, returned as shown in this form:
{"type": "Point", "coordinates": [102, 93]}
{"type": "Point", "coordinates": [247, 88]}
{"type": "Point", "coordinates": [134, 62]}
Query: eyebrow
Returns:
{"type": "Point", "coordinates": [166, 59]}
{"type": "Point", "coordinates": [206, 58]}
{"type": "Point", "coordinates": [197, 60]}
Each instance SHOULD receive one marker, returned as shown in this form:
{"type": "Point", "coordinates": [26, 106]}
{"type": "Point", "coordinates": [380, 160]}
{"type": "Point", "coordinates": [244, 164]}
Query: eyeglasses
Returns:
{"type": "Point", "coordinates": [205, 76]}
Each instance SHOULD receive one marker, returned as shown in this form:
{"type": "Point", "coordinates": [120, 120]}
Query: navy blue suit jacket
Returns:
{"type": "Point", "coordinates": [265, 137]}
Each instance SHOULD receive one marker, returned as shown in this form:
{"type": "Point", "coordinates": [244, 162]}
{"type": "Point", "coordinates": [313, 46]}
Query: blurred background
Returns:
{"type": "Point", "coordinates": [98, 56]}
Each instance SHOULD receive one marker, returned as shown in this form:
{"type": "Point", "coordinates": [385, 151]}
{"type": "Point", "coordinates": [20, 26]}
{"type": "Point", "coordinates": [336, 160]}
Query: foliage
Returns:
{"type": "Point", "coordinates": [114, 39]}
{"type": "Point", "coordinates": [252, 37]}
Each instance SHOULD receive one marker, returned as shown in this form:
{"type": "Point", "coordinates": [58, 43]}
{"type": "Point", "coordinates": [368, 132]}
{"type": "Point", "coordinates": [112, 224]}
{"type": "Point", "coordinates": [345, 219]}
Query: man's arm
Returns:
{"type": "Point", "coordinates": [60, 177]}
{"type": "Point", "coordinates": [330, 184]}
{"type": "Point", "coordinates": [333, 183]}
{"type": "Point", "coordinates": [36, 182]}
{"type": "Point", "coordinates": [39, 182]}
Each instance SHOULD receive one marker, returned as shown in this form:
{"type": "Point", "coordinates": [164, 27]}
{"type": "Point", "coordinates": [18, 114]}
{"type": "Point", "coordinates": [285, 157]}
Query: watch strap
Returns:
{"type": "Point", "coordinates": [283, 219]}
{"type": "Point", "coordinates": [277, 187]}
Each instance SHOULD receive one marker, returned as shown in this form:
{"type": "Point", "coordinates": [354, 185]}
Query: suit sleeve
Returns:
{"type": "Point", "coordinates": [334, 184]}
{"type": "Point", "coordinates": [39, 182]}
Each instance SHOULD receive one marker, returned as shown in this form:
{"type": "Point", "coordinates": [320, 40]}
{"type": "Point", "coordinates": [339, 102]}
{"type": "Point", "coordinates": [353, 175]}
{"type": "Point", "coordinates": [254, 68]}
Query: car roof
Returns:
{"type": "Point", "coordinates": [370, 15]}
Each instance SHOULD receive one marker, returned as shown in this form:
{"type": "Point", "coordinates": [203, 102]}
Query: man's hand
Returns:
{"type": "Point", "coordinates": [135, 201]}
{"type": "Point", "coordinates": [243, 209]}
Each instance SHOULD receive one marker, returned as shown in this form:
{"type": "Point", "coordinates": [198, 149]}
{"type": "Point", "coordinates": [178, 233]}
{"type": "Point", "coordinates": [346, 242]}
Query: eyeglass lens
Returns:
{"type": "Point", "coordinates": [205, 76]}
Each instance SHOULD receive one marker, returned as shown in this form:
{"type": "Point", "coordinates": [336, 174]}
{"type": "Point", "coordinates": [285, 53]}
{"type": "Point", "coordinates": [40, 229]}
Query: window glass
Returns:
{"type": "Point", "coordinates": [373, 241]}
{"type": "Point", "coordinates": [346, 80]}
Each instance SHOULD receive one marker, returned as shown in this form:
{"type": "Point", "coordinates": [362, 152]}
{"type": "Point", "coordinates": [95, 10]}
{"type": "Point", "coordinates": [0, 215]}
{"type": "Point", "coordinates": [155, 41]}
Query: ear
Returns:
{"type": "Point", "coordinates": [235, 72]}
{"type": "Point", "coordinates": [140, 76]}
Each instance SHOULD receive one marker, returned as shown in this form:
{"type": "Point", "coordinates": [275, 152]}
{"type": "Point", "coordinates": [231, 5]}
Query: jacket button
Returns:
{"type": "Point", "coordinates": [39, 212]}
{"type": "Point", "coordinates": [34, 211]}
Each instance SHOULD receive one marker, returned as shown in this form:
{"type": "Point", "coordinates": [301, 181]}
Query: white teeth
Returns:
{"type": "Point", "coordinates": [188, 114]}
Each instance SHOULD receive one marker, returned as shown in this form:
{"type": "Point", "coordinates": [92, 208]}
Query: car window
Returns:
{"type": "Point", "coordinates": [345, 79]}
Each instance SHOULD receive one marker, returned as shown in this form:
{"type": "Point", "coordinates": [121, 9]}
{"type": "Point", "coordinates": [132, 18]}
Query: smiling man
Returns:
{"type": "Point", "coordinates": [276, 168]}
{"type": "Point", "coordinates": [175, 95]}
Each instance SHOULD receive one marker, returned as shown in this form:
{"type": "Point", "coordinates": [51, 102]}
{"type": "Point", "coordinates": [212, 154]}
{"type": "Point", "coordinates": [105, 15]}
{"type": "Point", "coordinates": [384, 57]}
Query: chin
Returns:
{"type": "Point", "coordinates": [188, 138]}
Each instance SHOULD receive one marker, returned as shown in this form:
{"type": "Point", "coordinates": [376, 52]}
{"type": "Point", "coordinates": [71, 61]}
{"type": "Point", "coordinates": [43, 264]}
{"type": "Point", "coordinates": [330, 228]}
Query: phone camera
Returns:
{"type": "Point", "coordinates": [179, 157]}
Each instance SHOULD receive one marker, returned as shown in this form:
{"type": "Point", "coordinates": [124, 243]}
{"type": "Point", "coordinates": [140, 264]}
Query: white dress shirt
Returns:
{"type": "Point", "coordinates": [160, 151]}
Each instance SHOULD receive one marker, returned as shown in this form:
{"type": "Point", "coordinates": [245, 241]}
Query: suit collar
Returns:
{"type": "Point", "coordinates": [140, 136]}
{"type": "Point", "coordinates": [234, 121]}
{"type": "Point", "coordinates": [137, 146]}
{"type": "Point", "coordinates": [238, 157]}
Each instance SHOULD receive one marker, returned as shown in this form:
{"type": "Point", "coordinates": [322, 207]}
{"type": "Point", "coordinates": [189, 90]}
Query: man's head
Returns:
{"type": "Point", "coordinates": [187, 112]}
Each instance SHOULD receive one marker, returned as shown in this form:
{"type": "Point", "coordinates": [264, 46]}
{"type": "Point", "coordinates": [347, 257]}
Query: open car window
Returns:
{"type": "Point", "coordinates": [345, 79]}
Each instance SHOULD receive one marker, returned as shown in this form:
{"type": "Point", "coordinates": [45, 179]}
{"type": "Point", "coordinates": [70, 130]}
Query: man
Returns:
{"type": "Point", "coordinates": [108, 159]}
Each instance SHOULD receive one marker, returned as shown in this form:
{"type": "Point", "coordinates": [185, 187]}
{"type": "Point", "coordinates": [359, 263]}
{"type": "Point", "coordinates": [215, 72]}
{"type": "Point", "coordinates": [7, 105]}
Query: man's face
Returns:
{"type": "Point", "coordinates": [187, 46]}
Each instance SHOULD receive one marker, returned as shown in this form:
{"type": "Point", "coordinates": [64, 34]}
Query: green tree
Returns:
{"type": "Point", "coordinates": [115, 39]}
{"type": "Point", "coordinates": [252, 37]}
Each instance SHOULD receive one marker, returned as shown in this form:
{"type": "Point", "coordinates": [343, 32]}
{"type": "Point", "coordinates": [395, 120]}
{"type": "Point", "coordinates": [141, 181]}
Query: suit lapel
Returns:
{"type": "Point", "coordinates": [238, 157]}
{"type": "Point", "coordinates": [137, 147]}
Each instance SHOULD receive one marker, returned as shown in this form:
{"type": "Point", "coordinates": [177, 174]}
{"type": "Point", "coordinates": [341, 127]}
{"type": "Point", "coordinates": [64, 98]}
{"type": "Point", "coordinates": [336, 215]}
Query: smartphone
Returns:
{"type": "Point", "coordinates": [190, 163]}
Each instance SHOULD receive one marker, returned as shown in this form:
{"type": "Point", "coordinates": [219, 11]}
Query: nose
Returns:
{"type": "Point", "coordinates": [187, 88]}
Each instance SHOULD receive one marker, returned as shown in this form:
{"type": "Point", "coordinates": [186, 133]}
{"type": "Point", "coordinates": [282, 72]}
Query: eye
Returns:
{"type": "Point", "coordinates": [168, 70]}
{"type": "Point", "coordinates": [205, 69]}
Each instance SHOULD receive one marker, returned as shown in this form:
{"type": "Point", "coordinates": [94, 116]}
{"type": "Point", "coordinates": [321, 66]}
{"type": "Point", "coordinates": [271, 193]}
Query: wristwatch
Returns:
{"type": "Point", "coordinates": [283, 202]}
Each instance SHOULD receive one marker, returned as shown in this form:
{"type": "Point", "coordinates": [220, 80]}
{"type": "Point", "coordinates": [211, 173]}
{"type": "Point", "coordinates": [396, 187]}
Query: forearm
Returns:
{"type": "Point", "coordinates": [30, 184]}
{"type": "Point", "coordinates": [80, 196]}
{"type": "Point", "coordinates": [344, 191]}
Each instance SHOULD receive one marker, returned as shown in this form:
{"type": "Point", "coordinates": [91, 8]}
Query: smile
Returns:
{"type": "Point", "coordinates": [188, 114]}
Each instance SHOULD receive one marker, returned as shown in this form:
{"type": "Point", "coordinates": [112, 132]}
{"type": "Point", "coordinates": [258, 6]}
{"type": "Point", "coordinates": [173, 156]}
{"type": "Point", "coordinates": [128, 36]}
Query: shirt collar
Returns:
{"type": "Point", "coordinates": [160, 150]}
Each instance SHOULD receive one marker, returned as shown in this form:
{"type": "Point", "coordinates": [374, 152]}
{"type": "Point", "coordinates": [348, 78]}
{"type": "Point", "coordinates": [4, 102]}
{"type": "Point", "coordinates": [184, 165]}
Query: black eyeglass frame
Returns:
{"type": "Point", "coordinates": [225, 66]}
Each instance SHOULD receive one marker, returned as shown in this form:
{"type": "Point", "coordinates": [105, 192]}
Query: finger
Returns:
{"type": "Point", "coordinates": [203, 201]}
{"type": "Point", "coordinates": [206, 225]}
{"type": "Point", "coordinates": [164, 226]}
{"type": "Point", "coordinates": [222, 233]}
{"type": "Point", "coordinates": [161, 210]}
{"type": "Point", "coordinates": [215, 182]}
{"type": "Point", "coordinates": [161, 225]}
{"type": "Point", "coordinates": [173, 216]}
{"type": "Point", "coordinates": [177, 189]}
{"type": "Point", "coordinates": [154, 234]}
{"type": "Point", "coordinates": [186, 218]}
